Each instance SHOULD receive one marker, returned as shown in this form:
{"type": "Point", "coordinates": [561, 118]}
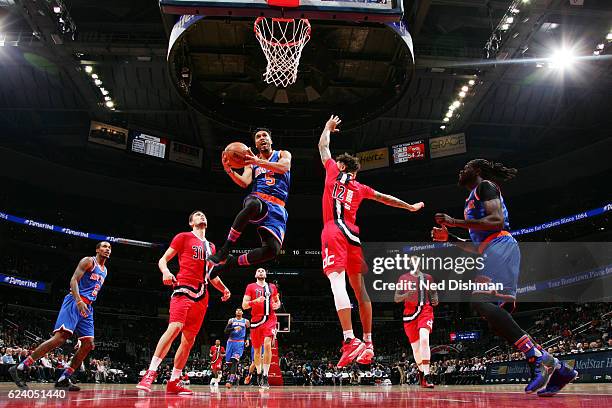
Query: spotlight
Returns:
{"type": "Point", "coordinates": [596, 52]}
{"type": "Point", "coordinates": [88, 69]}
{"type": "Point", "coordinates": [446, 119]}
{"type": "Point", "coordinates": [443, 127]}
{"type": "Point", "coordinates": [525, 1]}
{"type": "Point", "coordinates": [451, 108]}
{"type": "Point", "coordinates": [515, 11]}
{"type": "Point", "coordinates": [505, 27]}
{"type": "Point", "coordinates": [561, 58]}
{"type": "Point", "coordinates": [462, 94]}
{"type": "Point", "coordinates": [464, 88]}
{"type": "Point", "coordinates": [609, 36]}
{"type": "Point", "coordinates": [94, 76]}
{"type": "Point", "coordinates": [456, 104]}
{"type": "Point", "coordinates": [110, 104]}
{"type": "Point", "coordinates": [107, 98]}
{"type": "Point", "coordinates": [57, 9]}
{"type": "Point", "coordinates": [449, 114]}
{"type": "Point", "coordinates": [97, 82]}
{"type": "Point", "coordinates": [510, 20]}
{"type": "Point", "coordinates": [471, 82]}
{"type": "Point", "coordinates": [600, 46]}
{"type": "Point", "coordinates": [104, 91]}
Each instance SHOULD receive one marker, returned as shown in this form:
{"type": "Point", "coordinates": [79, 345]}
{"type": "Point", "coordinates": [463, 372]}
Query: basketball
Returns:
{"type": "Point", "coordinates": [235, 153]}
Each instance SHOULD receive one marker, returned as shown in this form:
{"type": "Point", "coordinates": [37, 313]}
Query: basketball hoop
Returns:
{"type": "Point", "coordinates": [282, 41]}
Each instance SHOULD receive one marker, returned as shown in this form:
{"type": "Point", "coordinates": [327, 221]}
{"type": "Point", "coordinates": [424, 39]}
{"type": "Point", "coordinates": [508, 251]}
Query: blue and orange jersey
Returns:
{"type": "Point", "coordinates": [267, 183]}
{"type": "Point", "coordinates": [238, 334]}
{"type": "Point", "coordinates": [474, 210]}
{"type": "Point", "coordinates": [91, 282]}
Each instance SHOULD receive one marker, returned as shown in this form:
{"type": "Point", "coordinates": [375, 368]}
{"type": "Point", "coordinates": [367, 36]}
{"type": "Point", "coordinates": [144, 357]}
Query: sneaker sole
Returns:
{"type": "Point", "coordinates": [353, 355]}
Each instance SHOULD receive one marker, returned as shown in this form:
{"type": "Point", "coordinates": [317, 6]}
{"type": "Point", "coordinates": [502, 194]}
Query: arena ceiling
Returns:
{"type": "Point", "coordinates": [512, 108]}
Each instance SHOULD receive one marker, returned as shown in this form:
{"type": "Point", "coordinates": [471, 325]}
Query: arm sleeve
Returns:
{"type": "Point", "coordinates": [368, 192]}
{"type": "Point", "coordinates": [177, 242]}
{"type": "Point", "coordinates": [487, 191]}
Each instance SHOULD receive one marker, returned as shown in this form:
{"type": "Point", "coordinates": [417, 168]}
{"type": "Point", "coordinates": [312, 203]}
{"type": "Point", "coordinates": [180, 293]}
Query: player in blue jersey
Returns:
{"type": "Point", "coordinates": [269, 173]}
{"type": "Point", "coordinates": [75, 317]}
{"type": "Point", "coordinates": [236, 328]}
{"type": "Point", "coordinates": [486, 219]}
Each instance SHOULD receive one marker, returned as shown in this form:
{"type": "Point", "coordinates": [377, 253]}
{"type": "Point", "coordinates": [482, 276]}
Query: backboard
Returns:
{"type": "Point", "coordinates": [345, 10]}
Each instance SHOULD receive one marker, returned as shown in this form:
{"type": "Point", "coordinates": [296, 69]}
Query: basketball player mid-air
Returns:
{"type": "Point", "coordinates": [485, 216]}
{"type": "Point", "coordinates": [340, 244]}
{"type": "Point", "coordinates": [189, 300]}
{"type": "Point", "coordinates": [75, 317]}
{"type": "Point", "coordinates": [269, 172]}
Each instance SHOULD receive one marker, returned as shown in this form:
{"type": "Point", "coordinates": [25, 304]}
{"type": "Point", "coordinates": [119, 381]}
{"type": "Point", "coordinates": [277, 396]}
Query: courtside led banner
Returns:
{"type": "Point", "coordinates": [448, 145]}
{"type": "Point", "coordinates": [374, 159]}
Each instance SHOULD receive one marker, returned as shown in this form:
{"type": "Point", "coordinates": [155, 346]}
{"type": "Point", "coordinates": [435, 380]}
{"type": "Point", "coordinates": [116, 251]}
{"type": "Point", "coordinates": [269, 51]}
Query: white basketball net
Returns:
{"type": "Point", "coordinates": [282, 41]}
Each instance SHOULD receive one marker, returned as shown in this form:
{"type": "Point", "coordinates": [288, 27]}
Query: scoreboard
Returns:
{"type": "Point", "coordinates": [148, 145]}
{"type": "Point", "coordinates": [408, 152]}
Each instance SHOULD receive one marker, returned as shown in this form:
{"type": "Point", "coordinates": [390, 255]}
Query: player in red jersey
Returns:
{"type": "Point", "coordinates": [419, 299]}
{"type": "Point", "coordinates": [263, 299]}
{"type": "Point", "coordinates": [340, 244]}
{"type": "Point", "coordinates": [188, 302]}
{"type": "Point", "coordinates": [216, 354]}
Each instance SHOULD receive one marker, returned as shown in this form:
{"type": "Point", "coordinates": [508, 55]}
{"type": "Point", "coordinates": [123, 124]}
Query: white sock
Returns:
{"type": "Point", "coordinates": [367, 337]}
{"type": "Point", "coordinates": [155, 362]}
{"type": "Point", "coordinates": [176, 373]}
{"type": "Point", "coordinates": [266, 369]}
{"type": "Point", "coordinates": [348, 334]}
{"type": "Point", "coordinates": [425, 368]}
{"type": "Point", "coordinates": [259, 368]}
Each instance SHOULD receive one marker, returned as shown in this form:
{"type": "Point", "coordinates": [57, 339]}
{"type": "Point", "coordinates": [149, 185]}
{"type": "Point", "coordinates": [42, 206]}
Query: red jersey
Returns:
{"type": "Point", "coordinates": [419, 296]}
{"type": "Point", "coordinates": [259, 310]}
{"type": "Point", "coordinates": [216, 353]}
{"type": "Point", "coordinates": [342, 196]}
{"type": "Point", "coordinates": [192, 253]}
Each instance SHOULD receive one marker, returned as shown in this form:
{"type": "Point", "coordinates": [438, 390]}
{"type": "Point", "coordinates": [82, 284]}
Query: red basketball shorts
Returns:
{"type": "Point", "coordinates": [424, 320]}
{"type": "Point", "coordinates": [189, 312]}
{"type": "Point", "coordinates": [338, 253]}
{"type": "Point", "coordinates": [216, 366]}
{"type": "Point", "coordinates": [259, 333]}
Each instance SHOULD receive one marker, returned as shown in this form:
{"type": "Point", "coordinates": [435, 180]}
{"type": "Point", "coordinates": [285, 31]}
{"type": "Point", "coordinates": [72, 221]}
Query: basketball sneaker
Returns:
{"type": "Point", "coordinates": [350, 350]}
{"type": "Point", "coordinates": [367, 354]}
{"type": "Point", "coordinates": [247, 379]}
{"type": "Point", "coordinates": [424, 380]}
{"type": "Point", "coordinates": [560, 378]}
{"type": "Point", "coordinates": [16, 376]}
{"type": "Point", "coordinates": [66, 384]}
{"type": "Point", "coordinates": [543, 367]}
{"type": "Point", "coordinates": [264, 382]}
{"type": "Point", "coordinates": [147, 380]}
{"type": "Point", "coordinates": [175, 387]}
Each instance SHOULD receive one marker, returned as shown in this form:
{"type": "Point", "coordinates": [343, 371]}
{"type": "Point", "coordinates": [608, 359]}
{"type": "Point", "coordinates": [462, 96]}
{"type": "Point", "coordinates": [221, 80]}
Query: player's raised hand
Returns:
{"type": "Point", "coordinates": [168, 278]}
{"type": "Point", "coordinates": [444, 219]}
{"type": "Point", "coordinates": [276, 305]}
{"type": "Point", "coordinates": [417, 206]}
{"type": "Point", "coordinates": [332, 124]}
{"type": "Point", "coordinates": [439, 234]}
{"type": "Point", "coordinates": [251, 158]}
{"type": "Point", "coordinates": [225, 161]}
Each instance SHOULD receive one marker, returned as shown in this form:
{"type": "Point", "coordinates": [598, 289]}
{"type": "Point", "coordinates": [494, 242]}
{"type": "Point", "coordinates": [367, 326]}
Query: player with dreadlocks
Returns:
{"type": "Point", "coordinates": [486, 218]}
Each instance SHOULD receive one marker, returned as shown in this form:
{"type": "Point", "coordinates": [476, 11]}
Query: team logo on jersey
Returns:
{"type": "Point", "coordinates": [328, 260]}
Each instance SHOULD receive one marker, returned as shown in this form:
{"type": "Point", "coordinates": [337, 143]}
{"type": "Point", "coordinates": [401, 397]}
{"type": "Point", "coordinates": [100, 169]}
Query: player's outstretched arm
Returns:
{"type": "Point", "coordinates": [330, 127]}
{"type": "Point", "coordinates": [282, 166]}
{"type": "Point", "coordinates": [84, 265]}
{"type": "Point", "coordinates": [243, 180]}
{"type": "Point", "coordinates": [392, 201]}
